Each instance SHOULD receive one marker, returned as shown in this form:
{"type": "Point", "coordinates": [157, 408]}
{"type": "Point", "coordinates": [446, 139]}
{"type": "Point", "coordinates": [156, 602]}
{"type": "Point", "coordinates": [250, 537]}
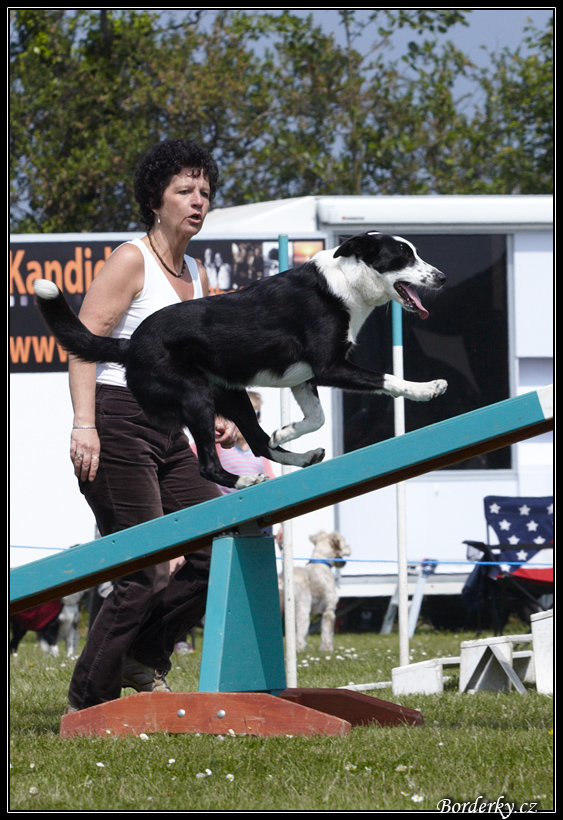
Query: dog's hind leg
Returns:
{"type": "Point", "coordinates": [48, 637]}
{"type": "Point", "coordinates": [307, 398]}
{"type": "Point", "coordinates": [199, 410]}
{"type": "Point", "coordinates": [303, 604]}
{"type": "Point", "coordinates": [327, 631]}
{"type": "Point", "coordinates": [18, 631]}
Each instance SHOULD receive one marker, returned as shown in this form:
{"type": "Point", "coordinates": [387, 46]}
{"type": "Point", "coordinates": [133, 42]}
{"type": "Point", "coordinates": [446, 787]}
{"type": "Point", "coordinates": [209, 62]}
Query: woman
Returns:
{"type": "Point", "coordinates": [129, 470]}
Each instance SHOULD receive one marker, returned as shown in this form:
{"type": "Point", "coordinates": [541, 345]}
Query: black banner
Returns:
{"type": "Point", "coordinates": [73, 264]}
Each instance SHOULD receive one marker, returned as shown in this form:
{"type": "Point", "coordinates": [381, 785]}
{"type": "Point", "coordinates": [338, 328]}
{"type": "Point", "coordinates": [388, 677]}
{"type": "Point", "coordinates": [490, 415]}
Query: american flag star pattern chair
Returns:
{"type": "Point", "coordinates": [518, 570]}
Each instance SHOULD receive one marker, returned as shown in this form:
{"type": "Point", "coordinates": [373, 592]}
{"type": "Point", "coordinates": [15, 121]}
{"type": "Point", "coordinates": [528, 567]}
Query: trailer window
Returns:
{"type": "Point", "coordinates": [465, 341]}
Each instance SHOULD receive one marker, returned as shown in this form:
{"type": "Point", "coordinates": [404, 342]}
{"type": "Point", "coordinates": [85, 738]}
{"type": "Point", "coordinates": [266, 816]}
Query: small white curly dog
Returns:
{"type": "Point", "coordinates": [315, 589]}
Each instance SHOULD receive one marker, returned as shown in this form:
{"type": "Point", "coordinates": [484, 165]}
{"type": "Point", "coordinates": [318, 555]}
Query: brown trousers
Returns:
{"type": "Point", "coordinates": [144, 473]}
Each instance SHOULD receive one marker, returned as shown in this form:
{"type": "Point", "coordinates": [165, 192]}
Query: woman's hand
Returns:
{"type": "Point", "coordinates": [85, 453]}
{"type": "Point", "coordinates": [225, 432]}
{"type": "Point", "coordinates": [176, 563]}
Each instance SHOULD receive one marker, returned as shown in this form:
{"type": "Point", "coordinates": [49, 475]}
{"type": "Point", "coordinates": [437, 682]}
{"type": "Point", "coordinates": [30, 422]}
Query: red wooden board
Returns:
{"type": "Point", "coordinates": [215, 713]}
{"type": "Point", "coordinates": [356, 708]}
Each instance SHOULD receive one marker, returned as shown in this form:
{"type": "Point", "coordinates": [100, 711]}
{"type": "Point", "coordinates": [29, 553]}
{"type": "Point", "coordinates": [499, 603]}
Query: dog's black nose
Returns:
{"type": "Point", "coordinates": [439, 277]}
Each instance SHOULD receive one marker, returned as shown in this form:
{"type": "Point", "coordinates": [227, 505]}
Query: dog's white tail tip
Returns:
{"type": "Point", "coordinates": [45, 289]}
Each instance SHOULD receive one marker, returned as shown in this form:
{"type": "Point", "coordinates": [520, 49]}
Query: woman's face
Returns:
{"type": "Point", "coordinates": [185, 203]}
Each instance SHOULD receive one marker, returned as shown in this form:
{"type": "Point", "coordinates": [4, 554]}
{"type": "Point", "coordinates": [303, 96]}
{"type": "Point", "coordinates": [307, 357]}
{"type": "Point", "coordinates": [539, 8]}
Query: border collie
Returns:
{"type": "Point", "coordinates": [193, 360]}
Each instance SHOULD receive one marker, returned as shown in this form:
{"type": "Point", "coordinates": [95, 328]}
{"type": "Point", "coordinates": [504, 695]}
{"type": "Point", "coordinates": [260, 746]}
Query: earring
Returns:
{"type": "Point", "coordinates": [158, 218]}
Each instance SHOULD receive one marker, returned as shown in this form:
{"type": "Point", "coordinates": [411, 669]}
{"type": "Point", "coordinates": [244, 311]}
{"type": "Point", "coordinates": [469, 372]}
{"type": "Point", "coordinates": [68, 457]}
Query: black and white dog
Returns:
{"type": "Point", "coordinates": [193, 360]}
{"type": "Point", "coordinates": [54, 621]}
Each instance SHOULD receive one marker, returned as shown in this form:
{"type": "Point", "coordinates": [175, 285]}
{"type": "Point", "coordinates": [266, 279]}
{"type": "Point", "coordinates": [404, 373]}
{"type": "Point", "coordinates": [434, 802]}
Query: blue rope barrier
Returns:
{"type": "Point", "coordinates": [56, 549]}
{"type": "Point", "coordinates": [363, 560]}
{"type": "Point", "coordinates": [426, 561]}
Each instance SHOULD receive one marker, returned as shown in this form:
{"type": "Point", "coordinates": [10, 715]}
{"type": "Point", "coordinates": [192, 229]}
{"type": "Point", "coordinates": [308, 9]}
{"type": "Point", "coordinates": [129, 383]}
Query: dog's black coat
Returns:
{"type": "Point", "coordinates": [48, 635]}
{"type": "Point", "coordinates": [193, 360]}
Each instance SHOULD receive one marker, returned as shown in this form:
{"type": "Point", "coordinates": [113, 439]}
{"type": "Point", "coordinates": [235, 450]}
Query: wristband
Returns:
{"type": "Point", "coordinates": [84, 427]}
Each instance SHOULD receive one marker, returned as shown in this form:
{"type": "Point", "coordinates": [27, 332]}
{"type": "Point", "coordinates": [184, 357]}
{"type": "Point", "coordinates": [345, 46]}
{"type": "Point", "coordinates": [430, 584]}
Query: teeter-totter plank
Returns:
{"type": "Point", "coordinates": [420, 451]}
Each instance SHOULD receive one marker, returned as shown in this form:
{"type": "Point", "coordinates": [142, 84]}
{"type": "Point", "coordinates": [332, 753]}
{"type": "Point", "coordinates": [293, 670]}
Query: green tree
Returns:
{"type": "Point", "coordinates": [330, 106]}
{"type": "Point", "coordinates": [84, 104]}
{"type": "Point", "coordinates": [512, 132]}
{"type": "Point", "coordinates": [286, 109]}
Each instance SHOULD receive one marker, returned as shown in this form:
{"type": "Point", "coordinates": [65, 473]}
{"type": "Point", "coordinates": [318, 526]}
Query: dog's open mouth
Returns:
{"type": "Point", "coordinates": [410, 300]}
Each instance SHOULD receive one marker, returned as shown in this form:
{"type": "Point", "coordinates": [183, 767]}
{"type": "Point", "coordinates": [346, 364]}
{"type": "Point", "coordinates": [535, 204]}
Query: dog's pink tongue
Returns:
{"type": "Point", "coordinates": [422, 312]}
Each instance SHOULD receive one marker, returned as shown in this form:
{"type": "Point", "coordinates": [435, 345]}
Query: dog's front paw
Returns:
{"type": "Point", "coordinates": [306, 459]}
{"type": "Point", "coordinates": [430, 390]}
{"type": "Point", "coordinates": [439, 387]}
{"type": "Point", "coordinates": [315, 456]}
{"type": "Point", "coordinates": [249, 480]}
{"type": "Point", "coordinates": [281, 436]}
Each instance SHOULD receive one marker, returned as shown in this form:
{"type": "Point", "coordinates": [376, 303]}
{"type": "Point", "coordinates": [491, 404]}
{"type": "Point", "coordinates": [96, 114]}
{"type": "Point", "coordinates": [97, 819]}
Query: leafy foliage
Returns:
{"type": "Point", "coordinates": [286, 109]}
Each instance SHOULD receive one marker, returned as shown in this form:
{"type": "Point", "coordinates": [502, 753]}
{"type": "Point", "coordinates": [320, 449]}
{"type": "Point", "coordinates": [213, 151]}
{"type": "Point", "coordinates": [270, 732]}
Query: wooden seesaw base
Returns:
{"type": "Point", "coordinates": [242, 682]}
{"type": "Point", "coordinates": [293, 712]}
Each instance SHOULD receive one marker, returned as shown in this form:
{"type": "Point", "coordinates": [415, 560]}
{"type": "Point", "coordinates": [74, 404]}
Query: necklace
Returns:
{"type": "Point", "coordinates": [163, 263]}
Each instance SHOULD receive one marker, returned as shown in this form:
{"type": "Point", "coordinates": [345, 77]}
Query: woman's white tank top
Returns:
{"type": "Point", "coordinates": [157, 293]}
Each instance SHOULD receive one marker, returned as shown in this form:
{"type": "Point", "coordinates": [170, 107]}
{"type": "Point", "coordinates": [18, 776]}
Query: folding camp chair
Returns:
{"type": "Point", "coordinates": [517, 573]}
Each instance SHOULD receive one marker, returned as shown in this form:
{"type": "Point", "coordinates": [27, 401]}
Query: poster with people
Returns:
{"type": "Point", "coordinates": [232, 264]}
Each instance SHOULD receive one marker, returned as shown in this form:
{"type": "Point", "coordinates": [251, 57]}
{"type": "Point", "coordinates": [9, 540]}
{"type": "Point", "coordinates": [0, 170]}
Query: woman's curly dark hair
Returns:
{"type": "Point", "coordinates": [163, 161]}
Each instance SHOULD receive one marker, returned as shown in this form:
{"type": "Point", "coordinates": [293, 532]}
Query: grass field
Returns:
{"type": "Point", "coordinates": [475, 749]}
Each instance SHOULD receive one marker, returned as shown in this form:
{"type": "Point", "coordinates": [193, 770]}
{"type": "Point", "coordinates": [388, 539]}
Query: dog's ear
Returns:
{"type": "Point", "coordinates": [354, 246]}
{"type": "Point", "coordinates": [336, 541]}
{"type": "Point", "coordinates": [349, 247]}
{"type": "Point", "coordinates": [339, 544]}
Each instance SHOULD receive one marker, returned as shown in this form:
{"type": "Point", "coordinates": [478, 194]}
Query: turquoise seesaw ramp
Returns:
{"type": "Point", "coordinates": [420, 451]}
